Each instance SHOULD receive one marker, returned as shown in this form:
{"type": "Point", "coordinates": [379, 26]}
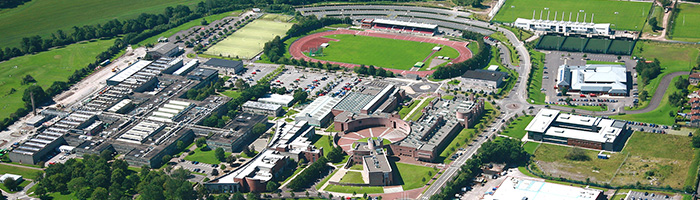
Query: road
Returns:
{"type": "Point", "coordinates": [659, 94]}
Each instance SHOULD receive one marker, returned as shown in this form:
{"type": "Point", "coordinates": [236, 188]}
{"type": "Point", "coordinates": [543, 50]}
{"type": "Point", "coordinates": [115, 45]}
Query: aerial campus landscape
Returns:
{"type": "Point", "coordinates": [430, 100]}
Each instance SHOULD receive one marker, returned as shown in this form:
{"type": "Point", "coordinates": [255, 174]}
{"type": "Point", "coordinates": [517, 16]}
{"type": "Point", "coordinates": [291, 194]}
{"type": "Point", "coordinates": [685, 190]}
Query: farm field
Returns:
{"type": "Point", "coordinates": [664, 158]}
{"type": "Point", "coordinates": [381, 52]}
{"type": "Point", "coordinates": [46, 67]}
{"type": "Point", "coordinates": [622, 15]}
{"type": "Point", "coordinates": [43, 17]}
{"type": "Point", "coordinates": [686, 25]}
{"type": "Point", "coordinates": [249, 40]}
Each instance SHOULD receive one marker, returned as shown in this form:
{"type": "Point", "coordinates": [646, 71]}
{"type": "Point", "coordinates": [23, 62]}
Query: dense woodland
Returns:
{"type": "Point", "coordinates": [101, 177]}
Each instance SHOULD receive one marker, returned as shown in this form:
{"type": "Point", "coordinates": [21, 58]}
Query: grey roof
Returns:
{"type": "Point", "coordinates": [354, 102]}
{"type": "Point", "coordinates": [484, 75]}
{"type": "Point", "coordinates": [215, 62]}
{"type": "Point", "coordinates": [166, 48]}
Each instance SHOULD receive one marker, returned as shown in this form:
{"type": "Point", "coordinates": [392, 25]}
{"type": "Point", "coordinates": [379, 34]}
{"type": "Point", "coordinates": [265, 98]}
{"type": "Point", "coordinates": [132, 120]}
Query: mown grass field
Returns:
{"type": "Point", "coordinates": [516, 129]}
{"type": "Point", "coordinates": [46, 67]}
{"type": "Point", "coordinates": [249, 40]}
{"type": "Point", "coordinates": [658, 115]}
{"type": "Point", "coordinates": [686, 26]}
{"type": "Point", "coordinates": [622, 15]}
{"type": "Point", "coordinates": [26, 173]}
{"type": "Point", "coordinates": [673, 58]}
{"type": "Point", "coordinates": [43, 17]}
{"type": "Point", "coordinates": [530, 147]}
{"type": "Point", "coordinates": [651, 159]}
{"type": "Point", "coordinates": [188, 25]}
{"type": "Point", "coordinates": [659, 14]}
{"type": "Point", "coordinates": [352, 177]}
{"type": "Point", "coordinates": [414, 176]}
{"type": "Point", "coordinates": [205, 156]}
{"type": "Point", "coordinates": [381, 52]}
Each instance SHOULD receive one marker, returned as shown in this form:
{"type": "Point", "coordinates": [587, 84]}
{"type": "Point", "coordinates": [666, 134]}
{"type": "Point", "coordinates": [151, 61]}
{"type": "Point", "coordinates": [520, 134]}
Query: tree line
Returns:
{"type": "Point", "coordinates": [102, 177]}
{"type": "Point", "coordinates": [476, 62]}
{"type": "Point", "coordinates": [12, 3]}
{"type": "Point", "coordinates": [648, 70]}
{"type": "Point", "coordinates": [506, 151]}
{"type": "Point", "coordinates": [371, 70]}
{"type": "Point", "coordinates": [274, 50]}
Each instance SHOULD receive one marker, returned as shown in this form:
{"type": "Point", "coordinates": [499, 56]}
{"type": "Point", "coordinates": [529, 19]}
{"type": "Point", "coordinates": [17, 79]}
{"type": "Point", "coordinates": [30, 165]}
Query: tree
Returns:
{"type": "Point", "coordinates": [201, 142]}
{"type": "Point", "coordinates": [300, 96]}
{"type": "Point", "coordinates": [272, 186]}
{"type": "Point", "coordinates": [28, 79]}
{"type": "Point", "coordinates": [644, 95]}
{"type": "Point", "coordinates": [166, 159]}
{"type": "Point", "coordinates": [577, 154]}
{"type": "Point", "coordinates": [100, 193]}
{"type": "Point", "coordinates": [180, 145]}
{"type": "Point", "coordinates": [219, 153]}
{"type": "Point", "coordinates": [76, 184]}
{"type": "Point", "coordinates": [696, 141]}
{"type": "Point", "coordinates": [11, 184]}
{"type": "Point", "coordinates": [40, 97]}
{"type": "Point", "coordinates": [240, 84]}
{"type": "Point", "coordinates": [214, 172]}
{"type": "Point", "coordinates": [204, 22]}
{"type": "Point", "coordinates": [237, 196]}
{"type": "Point", "coordinates": [682, 83]}
{"type": "Point", "coordinates": [84, 193]}
{"type": "Point", "coordinates": [654, 24]}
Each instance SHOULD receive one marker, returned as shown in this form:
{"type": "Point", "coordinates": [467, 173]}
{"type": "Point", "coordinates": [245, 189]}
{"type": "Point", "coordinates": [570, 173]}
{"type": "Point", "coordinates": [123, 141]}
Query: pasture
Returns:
{"type": "Point", "coordinates": [249, 40]}
{"type": "Point", "coordinates": [43, 17]}
{"type": "Point", "coordinates": [380, 52]}
{"type": "Point", "coordinates": [622, 15]}
{"type": "Point", "coordinates": [46, 67]}
{"type": "Point", "coordinates": [686, 26]}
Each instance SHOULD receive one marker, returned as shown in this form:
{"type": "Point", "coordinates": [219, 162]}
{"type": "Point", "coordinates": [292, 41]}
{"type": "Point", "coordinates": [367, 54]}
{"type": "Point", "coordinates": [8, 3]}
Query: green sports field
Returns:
{"type": "Point", "coordinates": [44, 17]}
{"type": "Point", "coordinates": [381, 52]}
{"type": "Point", "coordinates": [249, 40]}
{"type": "Point", "coordinates": [630, 15]}
{"type": "Point", "coordinates": [687, 25]}
{"type": "Point", "coordinates": [46, 67]}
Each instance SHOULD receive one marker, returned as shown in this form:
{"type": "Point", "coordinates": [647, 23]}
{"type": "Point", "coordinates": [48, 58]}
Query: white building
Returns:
{"type": "Point", "coordinates": [563, 27]}
{"type": "Point", "coordinates": [318, 113]}
{"type": "Point", "coordinates": [575, 130]}
{"type": "Point", "coordinates": [516, 188]}
{"type": "Point", "coordinates": [15, 177]}
{"type": "Point", "coordinates": [610, 79]}
{"type": "Point", "coordinates": [284, 100]}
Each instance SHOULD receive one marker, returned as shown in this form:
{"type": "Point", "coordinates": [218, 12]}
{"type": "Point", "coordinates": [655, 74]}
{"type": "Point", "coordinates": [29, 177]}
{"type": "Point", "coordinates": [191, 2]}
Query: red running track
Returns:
{"type": "Point", "coordinates": [296, 49]}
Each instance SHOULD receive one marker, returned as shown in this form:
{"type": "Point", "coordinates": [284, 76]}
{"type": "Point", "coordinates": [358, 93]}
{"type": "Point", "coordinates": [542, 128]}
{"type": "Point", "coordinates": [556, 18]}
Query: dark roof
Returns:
{"type": "Point", "coordinates": [202, 73]}
{"type": "Point", "coordinates": [485, 75]}
{"type": "Point", "coordinates": [166, 48]}
{"type": "Point", "coordinates": [215, 62]}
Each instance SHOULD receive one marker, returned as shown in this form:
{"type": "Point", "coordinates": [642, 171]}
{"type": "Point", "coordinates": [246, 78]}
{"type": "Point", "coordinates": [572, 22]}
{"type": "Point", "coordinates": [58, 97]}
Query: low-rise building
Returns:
{"type": "Point", "coordinates": [284, 100]}
{"type": "Point", "coordinates": [167, 50]}
{"type": "Point", "coordinates": [229, 66]}
{"type": "Point", "coordinates": [576, 130]}
{"type": "Point", "coordinates": [268, 109]}
{"type": "Point", "coordinates": [253, 176]}
{"type": "Point", "coordinates": [294, 141]}
{"type": "Point", "coordinates": [318, 113]}
{"type": "Point", "coordinates": [564, 27]}
{"type": "Point", "coordinates": [603, 79]}
{"type": "Point", "coordinates": [484, 79]}
{"type": "Point", "coordinates": [694, 78]}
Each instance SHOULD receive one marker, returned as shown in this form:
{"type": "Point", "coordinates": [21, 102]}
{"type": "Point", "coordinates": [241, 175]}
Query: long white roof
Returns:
{"type": "Point", "coordinates": [131, 70]}
{"type": "Point", "coordinates": [516, 188]}
{"type": "Point", "coordinates": [403, 23]}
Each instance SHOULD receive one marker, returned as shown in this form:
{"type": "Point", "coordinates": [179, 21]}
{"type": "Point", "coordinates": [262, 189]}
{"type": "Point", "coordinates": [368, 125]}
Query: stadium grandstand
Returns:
{"type": "Point", "coordinates": [400, 26]}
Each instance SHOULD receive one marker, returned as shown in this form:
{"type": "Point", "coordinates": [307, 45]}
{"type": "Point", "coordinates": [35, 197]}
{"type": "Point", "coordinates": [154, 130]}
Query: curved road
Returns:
{"type": "Point", "coordinates": [659, 94]}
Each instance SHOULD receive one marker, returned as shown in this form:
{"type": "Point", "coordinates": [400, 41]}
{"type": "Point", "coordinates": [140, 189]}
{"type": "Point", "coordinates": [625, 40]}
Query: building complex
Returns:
{"type": "Point", "coordinates": [576, 130]}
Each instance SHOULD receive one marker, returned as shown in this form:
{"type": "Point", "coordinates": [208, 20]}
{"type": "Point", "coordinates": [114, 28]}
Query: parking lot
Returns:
{"type": "Point", "coordinates": [317, 83]}
{"type": "Point", "coordinates": [554, 59]}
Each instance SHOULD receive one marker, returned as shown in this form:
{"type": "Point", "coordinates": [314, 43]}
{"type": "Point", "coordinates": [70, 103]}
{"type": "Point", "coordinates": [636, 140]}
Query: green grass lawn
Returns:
{"type": "Point", "coordinates": [412, 175]}
{"type": "Point", "coordinates": [659, 14]}
{"type": "Point", "coordinates": [658, 115]}
{"type": "Point", "coordinates": [44, 17]}
{"type": "Point", "coordinates": [533, 89]}
{"type": "Point", "coordinates": [622, 15]}
{"type": "Point", "coordinates": [407, 109]}
{"type": "Point", "coordinates": [448, 97]}
{"type": "Point", "coordinates": [26, 173]}
{"type": "Point", "coordinates": [249, 40]}
{"type": "Point", "coordinates": [205, 156]}
{"type": "Point", "coordinates": [59, 196]}
{"type": "Point", "coordinates": [673, 58]}
{"type": "Point", "coordinates": [516, 129]}
{"type": "Point", "coordinates": [356, 167]}
{"type": "Point", "coordinates": [668, 156]}
{"type": "Point", "coordinates": [352, 177]}
{"type": "Point", "coordinates": [188, 25]}
{"type": "Point", "coordinates": [465, 136]}
{"type": "Point", "coordinates": [418, 113]}
{"type": "Point", "coordinates": [21, 185]}
{"type": "Point", "coordinates": [473, 47]}
{"type": "Point", "coordinates": [356, 189]}
{"type": "Point", "coordinates": [530, 147]}
{"type": "Point", "coordinates": [686, 26]}
{"type": "Point", "coordinates": [231, 93]}
{"type": "Point", "coordinates": [381, 52]}
{"type": "Point", "coordinates": [46, 67]}
{"type": "Point", "coordinates": [320, 184]}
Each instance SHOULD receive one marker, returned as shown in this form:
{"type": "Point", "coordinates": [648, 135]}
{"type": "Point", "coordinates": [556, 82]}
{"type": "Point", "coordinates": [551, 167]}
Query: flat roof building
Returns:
{"type": "Point", "coordinates": [517, 188]}
{"type": "Point", "coordinates": [576, 130]}
{"type": "Point", "coordinates": [607, 79]}
{"type": "Point", "coordinates": [564, 27]}
{"type": "Point", "coordinates": [232, 66]}
{"type": "Point", "coordinates": [167, 50]}
{"type": "Point", "coordinates": [493, 79]}
{"type": "Point", "coordinates": [284, 100]}
{"type": "Point", "coordinates": [268, 109]}
{"type": "Point", "coordinates": [127, 72]}
{"type": "Point", "coordinates": [253, 176]}
{"type": "Point", "coordinates": [318, 113]}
